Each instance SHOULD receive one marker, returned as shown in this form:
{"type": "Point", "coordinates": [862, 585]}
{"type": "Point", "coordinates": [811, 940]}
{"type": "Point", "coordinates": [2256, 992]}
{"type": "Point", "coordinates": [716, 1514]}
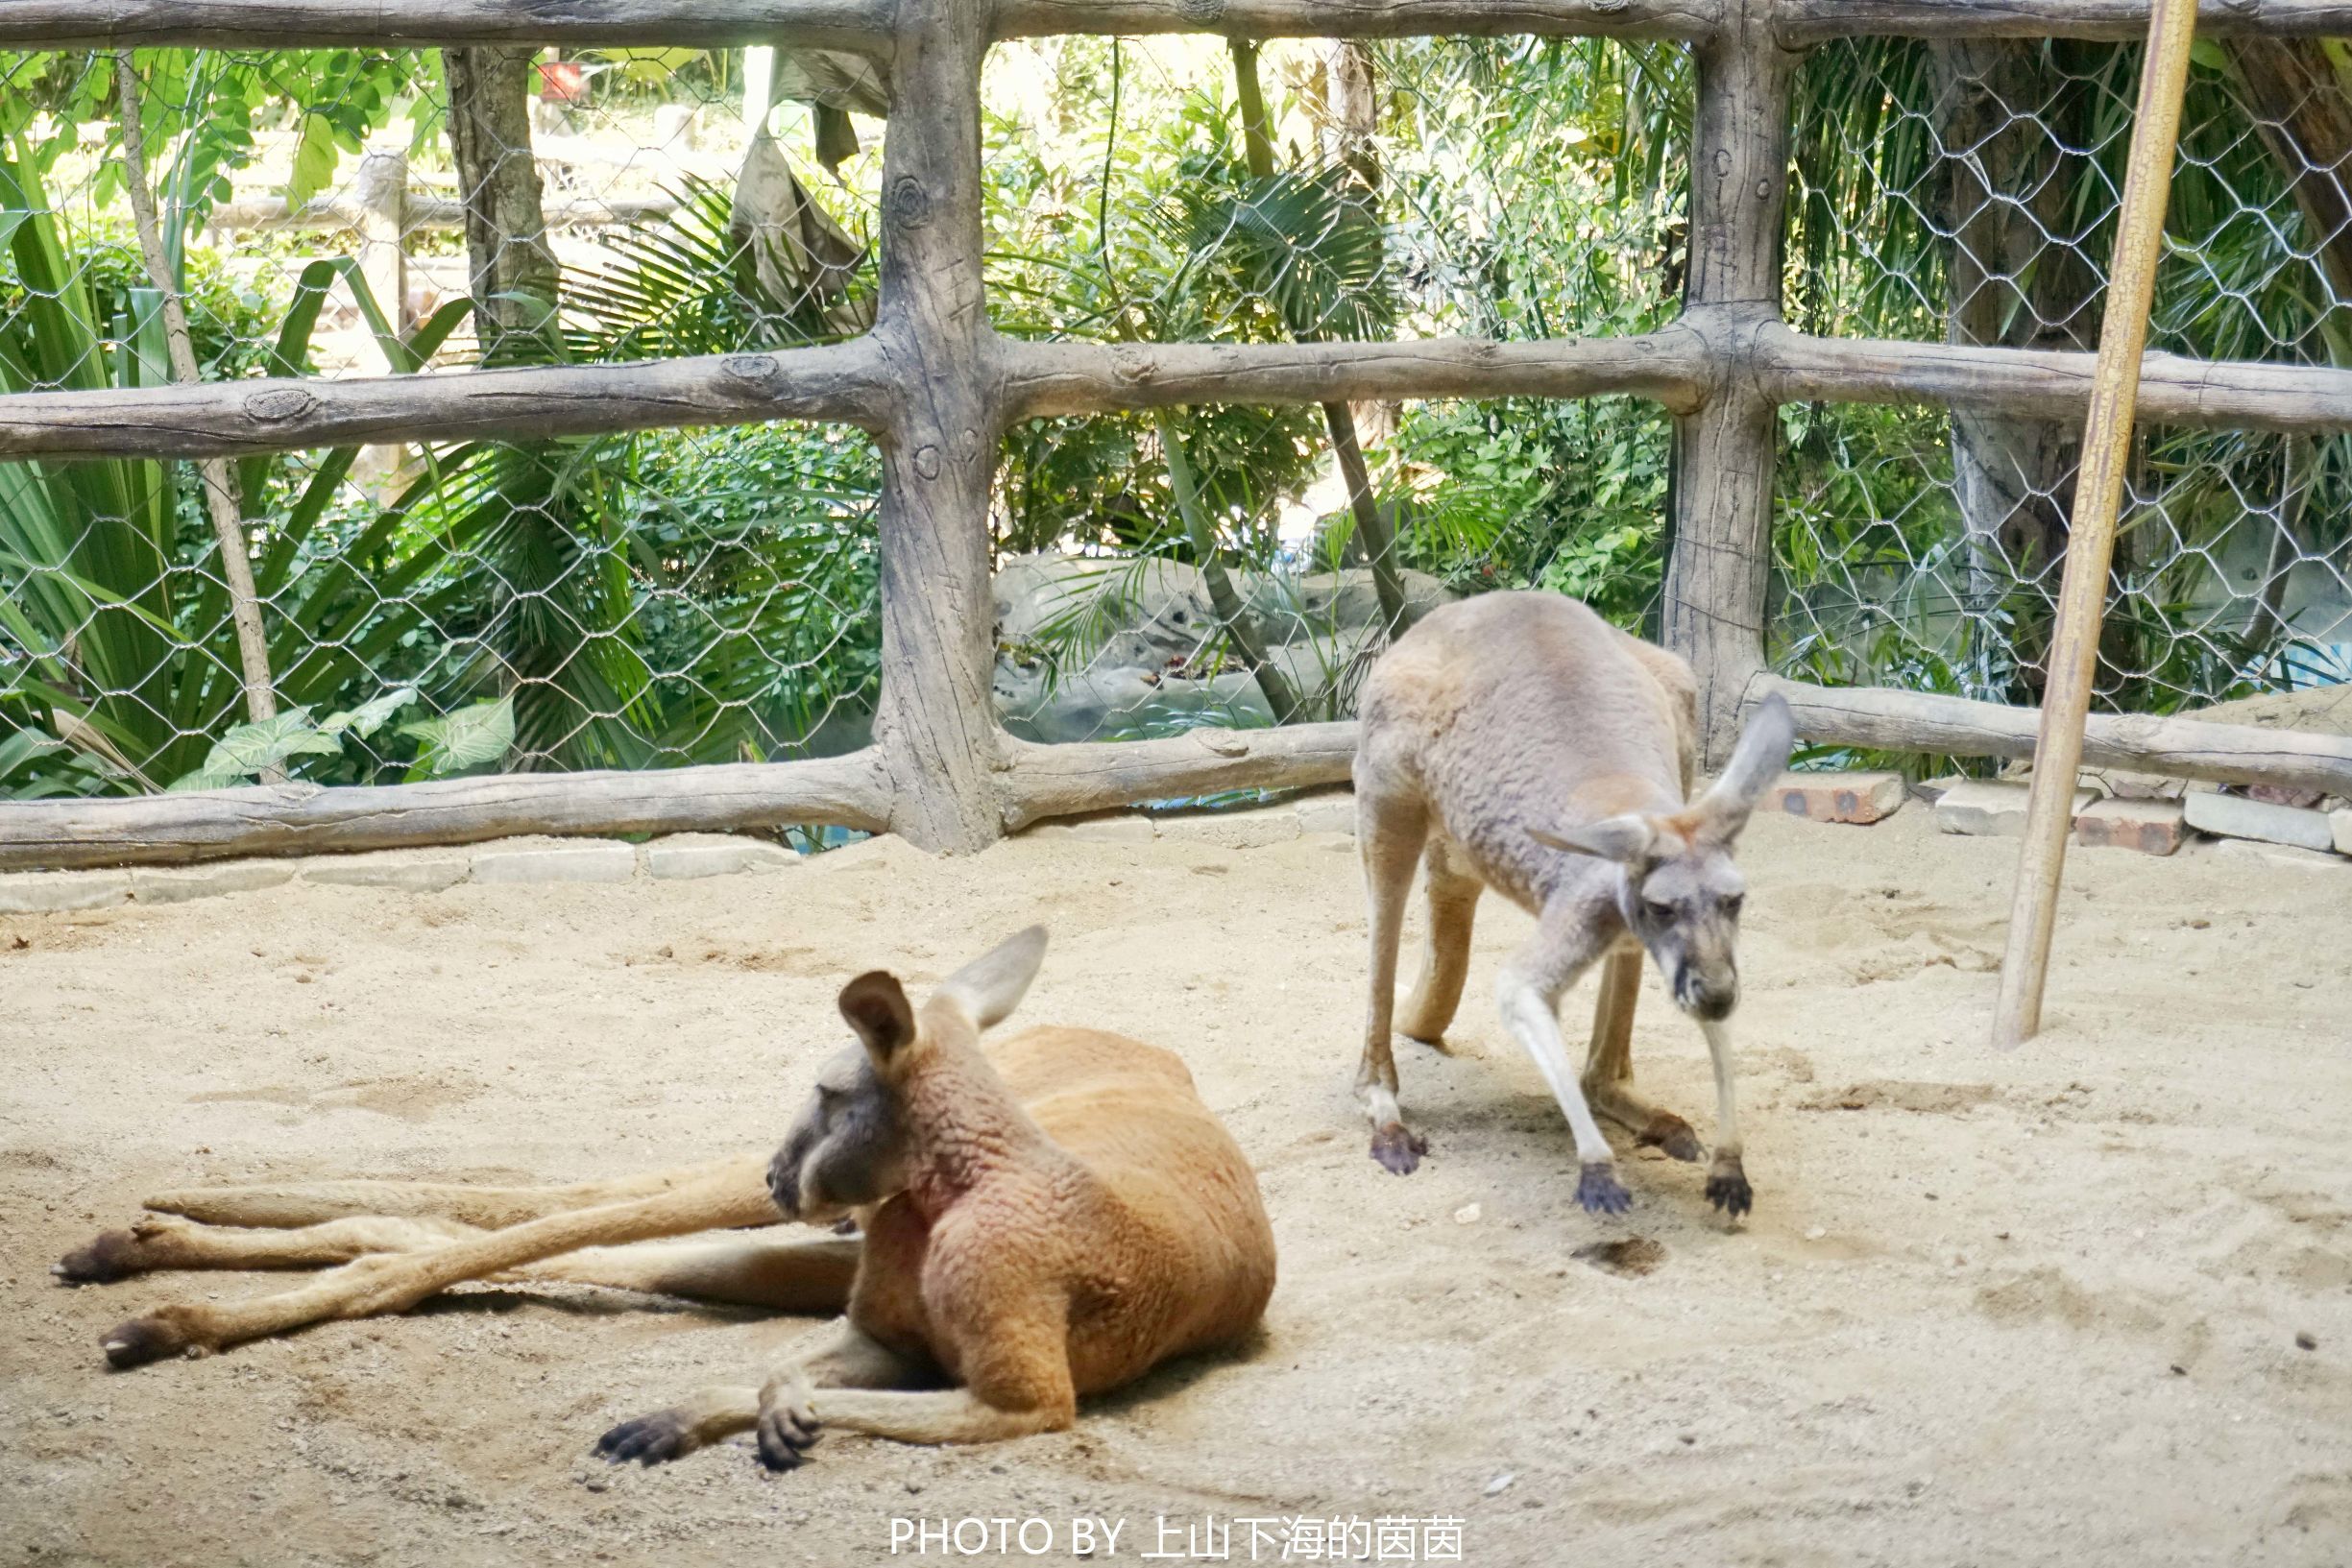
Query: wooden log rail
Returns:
{"type": "Point", "coordinates": [852, 383]}
{"type": "Point", "coordinates": [938, 387]}
{"type": "Point", "coordinates": [867, 25]}
{"type": "Point", "coordinates": [1037, 782]}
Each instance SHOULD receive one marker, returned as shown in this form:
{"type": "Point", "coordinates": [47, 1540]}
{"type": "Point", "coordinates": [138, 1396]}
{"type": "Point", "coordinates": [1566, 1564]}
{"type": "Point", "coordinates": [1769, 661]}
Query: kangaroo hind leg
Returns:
{"type": "Point", "coordinates": [1452, 892]}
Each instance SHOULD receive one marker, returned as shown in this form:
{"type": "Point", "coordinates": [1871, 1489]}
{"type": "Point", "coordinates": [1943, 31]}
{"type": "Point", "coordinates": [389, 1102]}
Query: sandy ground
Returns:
{"type": "Point", "coordinates": [2040, 1308]}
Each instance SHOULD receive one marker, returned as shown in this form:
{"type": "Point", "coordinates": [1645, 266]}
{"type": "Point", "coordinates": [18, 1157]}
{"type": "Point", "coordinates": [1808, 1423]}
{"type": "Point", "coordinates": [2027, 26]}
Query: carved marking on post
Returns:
{"type": "Point", "coordinates": [1201, 11]}
{"type": "Point", "coordinates": [282, 404]}
{"type": "Point", "coordinates": [909, 204]}
{"type": "Point", "coordinates": [927, 461]}
{"type": "Point", "coordinates": [759, 369]}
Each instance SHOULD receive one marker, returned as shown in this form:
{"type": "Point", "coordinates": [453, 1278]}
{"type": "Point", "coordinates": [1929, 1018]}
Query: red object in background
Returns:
{"type": "Point", "coordinates": [563, 81]}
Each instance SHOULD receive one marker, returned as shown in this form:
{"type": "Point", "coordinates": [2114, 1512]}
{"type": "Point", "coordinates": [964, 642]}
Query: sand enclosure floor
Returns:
{"type": "Point", "coordinates": [2035, 1308]}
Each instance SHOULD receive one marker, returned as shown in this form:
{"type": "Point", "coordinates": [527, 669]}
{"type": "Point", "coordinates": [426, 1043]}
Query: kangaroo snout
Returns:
{"type": "Point", "coordinates": [783, 1182]}
{"type": "Point", "coordinates": [1709, 998]}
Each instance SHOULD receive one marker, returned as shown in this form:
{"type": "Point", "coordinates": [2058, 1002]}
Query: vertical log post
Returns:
{"type": "Point", "coordinates": [381, 191]}
{"type": "Point", "coordinates": [2098, 492]}
{"type": "Point", "coordinates": [381, 188]}
{"type": "Point", "coordinates": [936, 723]}
{"type": "Point", "coordinates": [1723, 453]}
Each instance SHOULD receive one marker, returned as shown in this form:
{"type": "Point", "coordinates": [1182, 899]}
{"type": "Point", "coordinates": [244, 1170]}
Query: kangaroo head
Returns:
{"type": "Point", "coordinates": [849, 1146]}
{"type": "Point", "coordinates": [1677, 887]}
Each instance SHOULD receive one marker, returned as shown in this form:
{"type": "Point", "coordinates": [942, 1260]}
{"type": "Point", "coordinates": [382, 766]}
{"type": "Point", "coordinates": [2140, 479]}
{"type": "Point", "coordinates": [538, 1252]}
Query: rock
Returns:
{"type": "Point", "coordinates": [2233, 816]}
{"type": "Point", "coordinates": [1858, 798]}
{"type": "Point", "coordinates": [406, 871]}
{"type": "Point", "coordinates": [1231, 830]}
{"type": "Point", "coordinates": [555, 861]}
{"type": "Point", "coordinates": [180, 883]}
{"type": "Point", "coordinates": [1501, 1483]}
{"type": "Point", "coordinates": [683, 856]}
{"type": "Point", "coordinates": [1470, 1214]}
{"type": "Point", "coordinates": [49, 892]}
{"type": "Point", "coordinates": [1337, 813]}
{"type": "Point", "coordinates": [2152, 826]}
{"type": "Point", "coordinates": [2126, 785]}
{"type": "Point", "coordinates": [1103, 828]}
{"type": "Point", "coordinates": [2281, 855]}
{"type": "Point", "coordinates": [1995, 811]}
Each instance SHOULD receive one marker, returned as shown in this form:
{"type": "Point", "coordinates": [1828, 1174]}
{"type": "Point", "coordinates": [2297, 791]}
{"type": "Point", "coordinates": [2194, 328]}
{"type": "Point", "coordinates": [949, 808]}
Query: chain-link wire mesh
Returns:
{"type": "Point", "coordinates": [632, 600]}
{"type": "Point", "coordinates": [1967, 192]}
{"type": "Point", "coordinates": [669, 597]}
{"type": "Point", "coordinates": [1223, 564]}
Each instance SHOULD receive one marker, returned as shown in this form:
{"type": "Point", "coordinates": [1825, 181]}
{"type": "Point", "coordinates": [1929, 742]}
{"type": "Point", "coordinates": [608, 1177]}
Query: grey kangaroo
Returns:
{"type": "Point", "coordinates": [1520, 742]}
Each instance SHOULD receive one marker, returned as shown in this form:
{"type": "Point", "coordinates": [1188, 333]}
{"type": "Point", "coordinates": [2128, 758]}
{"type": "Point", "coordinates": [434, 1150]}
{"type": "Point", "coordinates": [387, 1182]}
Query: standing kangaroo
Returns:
{"type": "Point", "coordinates": [1520, 742]}
{"type": "Point", "coordinates": [1051, 1218]}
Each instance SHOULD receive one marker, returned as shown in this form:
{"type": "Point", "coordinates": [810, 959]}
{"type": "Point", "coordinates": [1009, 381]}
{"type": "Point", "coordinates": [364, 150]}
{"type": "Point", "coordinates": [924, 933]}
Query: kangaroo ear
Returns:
{"type": "Point", "coordinates": [992, 985]}
{"type": "Point", "coordinates": [1626, 839]}
{"type": "Point", "coordinates": [876, 1006]}
{"type": "Point", "coordinates": [1755, 761]}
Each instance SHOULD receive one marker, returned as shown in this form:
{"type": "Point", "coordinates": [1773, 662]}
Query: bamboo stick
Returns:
{"type": "Point", "coordinates": [2098, 489]}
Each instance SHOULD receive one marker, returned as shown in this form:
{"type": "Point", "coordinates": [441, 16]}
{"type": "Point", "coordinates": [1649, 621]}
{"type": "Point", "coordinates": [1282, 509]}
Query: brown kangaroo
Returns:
{"type": "Point", "coordinates": [1048, 1219]}
{"type": "Point", "coordinates": [1520, 742]}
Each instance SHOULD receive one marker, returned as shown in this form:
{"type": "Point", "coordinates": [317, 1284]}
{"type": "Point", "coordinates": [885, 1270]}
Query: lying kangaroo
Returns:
{"type": "Point", "coordinates": [1048, 1219]}
{"type": "Point", "coordinates": [1518, 741]}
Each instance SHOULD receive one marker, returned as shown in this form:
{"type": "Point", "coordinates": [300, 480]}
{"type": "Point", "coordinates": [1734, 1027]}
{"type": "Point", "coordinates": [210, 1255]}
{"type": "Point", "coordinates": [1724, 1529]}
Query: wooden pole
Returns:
{"type": "Point", "coordinates": [2098, 491]}
{"type": "Point", "coordinates": [1723, 453]}
{"type": "Point", "coordinates": [936, 724]}
{"type": "Point", "coordinates": [220, 496]}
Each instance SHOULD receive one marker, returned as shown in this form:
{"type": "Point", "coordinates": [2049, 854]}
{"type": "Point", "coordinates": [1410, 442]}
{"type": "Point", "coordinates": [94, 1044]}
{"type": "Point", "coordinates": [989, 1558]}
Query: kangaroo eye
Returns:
{"type": "Point", "coordinates": [1731, 906]}
{"type": "Point", "coordinates": [1658, 911]}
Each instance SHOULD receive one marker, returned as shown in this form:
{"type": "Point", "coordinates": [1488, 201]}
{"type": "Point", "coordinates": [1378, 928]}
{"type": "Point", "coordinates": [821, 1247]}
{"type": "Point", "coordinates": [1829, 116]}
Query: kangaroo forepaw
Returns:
{"type": "Point", "coordinates": [1728, 1188]}
{"type": "Point", "coordinates": [1671, 1133]}
{"type": "Point", "coordinates": [788, 1431]}
{"type": "Point", "coordinates": [115, 1255]}
{"type": "Point", "coordinates": [167, 1331]}
{"type": "Point", "coordinates": [649, 1440]}
{"type": "Point", "coordinates": [1599, 1190]}
{"type": "Point", "coordinates": [1398, 1148]}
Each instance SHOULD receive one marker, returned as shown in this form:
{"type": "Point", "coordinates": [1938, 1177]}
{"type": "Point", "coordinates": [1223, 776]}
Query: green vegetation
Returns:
{"type": "Point", "coordinates": [667, 597]}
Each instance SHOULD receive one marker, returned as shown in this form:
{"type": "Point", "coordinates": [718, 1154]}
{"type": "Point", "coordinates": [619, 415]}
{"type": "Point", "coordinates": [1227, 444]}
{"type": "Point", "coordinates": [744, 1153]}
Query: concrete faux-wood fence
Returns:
{"type": "Point", "coordinates": [939, 387]}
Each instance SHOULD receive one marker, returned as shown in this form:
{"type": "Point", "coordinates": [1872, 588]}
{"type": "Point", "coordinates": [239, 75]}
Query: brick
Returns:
{"type": "Point", "coordinates": [1107, 828]}
{"type": "Point", "coordinates": [403, 871]}
{"type": "Point", "coordinates": [51, 892]}
{"type": "Point", "coordinates": [1860, 798]}
{"type": "Point", "coordinates": [1328, 815]}
{"type": "Point", "coordinates": [2150, 827]}
{"type": "Point", "coordinates": [2339, 823]}
{"type": "Point", "coordinates": [181, 883]}
{"type": "Point", "coordinates": [2280, 855]}
{"type": "Point", "coordinates": [1231, 830]}
{"type": "Point", "coordinates": [682, 856]}
{"type": "Point", "coordinates": [1991, 811]}
{"type": "Point", "coordinates": [2233, 816]}
{"type": "Point", "coordinates": [555, 861]}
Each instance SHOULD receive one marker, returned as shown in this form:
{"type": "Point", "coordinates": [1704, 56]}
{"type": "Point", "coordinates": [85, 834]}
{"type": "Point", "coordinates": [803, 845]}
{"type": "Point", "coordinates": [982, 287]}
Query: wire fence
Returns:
{"type": "Point", "coordinates": [669, 597]}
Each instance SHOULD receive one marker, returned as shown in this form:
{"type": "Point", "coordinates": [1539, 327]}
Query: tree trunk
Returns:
{"type": "Point", "coordinates": [2306, 121]}
{"type": "Point", "coordinates": [510, 271]}
{"type": "Point", "coordinates": [2013, 478]}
